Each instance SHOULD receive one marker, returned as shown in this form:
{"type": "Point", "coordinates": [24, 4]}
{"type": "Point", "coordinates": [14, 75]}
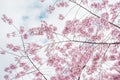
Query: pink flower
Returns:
{"type": "Point", "coordinates": [61, 17]}
{"type": "Point", "coordinates": [98, 6]}
{"type": "Point", "coordinates": [22, 64]}
{"type": "Point", "coordinates": [25, 36]}
{"type": "Point", "coordinates": [6, 19]}
{"type": "Point", "coordinates": [62, 4]}
{"type": "Point", "coordinates": [26, 67]}
{"type": "Point", "coordinates": [17, 75]}
{"type": "Point", "coordinates": [66, 4]}
{"type": "Point", "coordinates": [53, 78]}
{"type": "Point", "coordinates": [38, 59]}
{"type": "Point", "coordinates": [96, 37]}
{"type": "Point", "coordinates": [116, 34]}
{"type": "Point", "coordinates": [22, 73]}
{"type": "Point", "coordinates": [68, 45]}
{"type": "Point", "coordinates": [12, 66]}
{"type": "Point", "coordinates": [21, 29]}
{"type": "Point", "coordinates": [66, 30]}
{"type": "Point", "coordinates": [90, 30]}
{"type": "Point", "coordinates": [2, 52]}
{"type": "Point", "coordinates": [16, 48]}
{"type": "Point", "coordinates": [105, 15]}
{"type": "Point", "coordinates": [6, 77]}
{"type": "Point", "coordinates": [32, 48]}
{"type": "Point", "coordinates": [10, 46]}
{"type": "Point", "coordinates": [50, 61]}
{"type": "Point", "coordinates": [10, 21]}
{"type": "Point", "coordinates": [7, 69]}
{"type": "Point", "coordinates": [51, 9]}
{"type": "Point", "coordinates": [112, 57]}
{"type": "Point", "coordinates": [37, 74]}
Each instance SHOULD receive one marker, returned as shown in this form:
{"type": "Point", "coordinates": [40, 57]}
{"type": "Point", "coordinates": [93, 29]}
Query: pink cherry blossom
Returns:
{"type": "Point", "coordinates": [83, 43]}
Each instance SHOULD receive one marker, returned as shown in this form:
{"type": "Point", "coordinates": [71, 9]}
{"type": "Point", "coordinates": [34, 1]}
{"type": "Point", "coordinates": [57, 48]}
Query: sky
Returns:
{"type": "Point", "coordinates": [24, 13]}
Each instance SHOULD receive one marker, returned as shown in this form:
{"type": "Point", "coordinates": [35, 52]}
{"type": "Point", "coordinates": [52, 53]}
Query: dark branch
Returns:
{"type": "Point", "coordinates": [96, 42]}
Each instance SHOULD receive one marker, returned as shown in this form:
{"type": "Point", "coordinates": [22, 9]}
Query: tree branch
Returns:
{"type": "Point", "coordinates": [95, 42]}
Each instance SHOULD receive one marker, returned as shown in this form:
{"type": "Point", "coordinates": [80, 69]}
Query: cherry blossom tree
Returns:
{"type": "Point", "coordinates": [87, 47]}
